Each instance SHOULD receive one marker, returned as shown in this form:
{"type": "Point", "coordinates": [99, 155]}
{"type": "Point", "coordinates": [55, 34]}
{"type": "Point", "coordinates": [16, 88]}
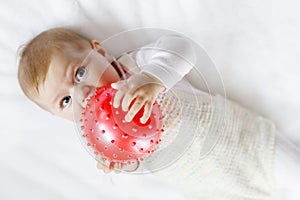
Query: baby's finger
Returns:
{"type": "Point", "coordinates": [104, 168]}
{"type": "Point", "coordinates": [138, 104]}
{"type": "Point", "coordinates": [118, 85]}
{"type": "Point", "coordinates": [117, 98]}
{"type": "Point", "coordinates": [147, 112]}
{"type": "Point", "coordinates": [129, 96]}
{"type": "Point", "coordinates": [117, 167]}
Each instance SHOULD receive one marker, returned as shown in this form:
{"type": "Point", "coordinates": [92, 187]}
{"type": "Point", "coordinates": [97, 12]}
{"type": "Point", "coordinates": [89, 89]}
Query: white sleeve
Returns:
{"type": "Point", "coordinates": [169, 59]}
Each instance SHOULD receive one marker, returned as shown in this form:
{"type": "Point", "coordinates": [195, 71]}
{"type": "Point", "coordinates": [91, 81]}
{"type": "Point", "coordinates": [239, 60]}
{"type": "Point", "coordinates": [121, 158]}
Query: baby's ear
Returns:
{"type": "Point", "coordinates": [96, 45]}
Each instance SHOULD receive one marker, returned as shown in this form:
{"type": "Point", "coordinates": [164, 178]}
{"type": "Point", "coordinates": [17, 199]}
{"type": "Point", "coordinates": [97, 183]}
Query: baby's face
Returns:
{"type": "Point", "coordinates": [72, 74]}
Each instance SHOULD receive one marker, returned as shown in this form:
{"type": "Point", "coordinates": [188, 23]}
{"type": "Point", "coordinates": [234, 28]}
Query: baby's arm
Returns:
{"type": "Point", "coordinates": [162, 65]}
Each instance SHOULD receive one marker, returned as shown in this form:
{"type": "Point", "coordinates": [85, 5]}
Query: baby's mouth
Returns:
{"type": "Point", "coordinates": [85, 102]}
{"type": "Point", "coordinates": [88, 97]}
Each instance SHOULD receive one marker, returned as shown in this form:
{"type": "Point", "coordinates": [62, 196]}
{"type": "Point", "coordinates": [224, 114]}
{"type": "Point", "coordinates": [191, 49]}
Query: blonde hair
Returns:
{"type": "Point", "coordinates": [35, 57]}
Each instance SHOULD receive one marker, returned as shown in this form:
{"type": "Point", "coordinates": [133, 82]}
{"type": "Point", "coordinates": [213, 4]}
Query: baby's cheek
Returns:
{"type": "Point", "coordinates": [66, 115]}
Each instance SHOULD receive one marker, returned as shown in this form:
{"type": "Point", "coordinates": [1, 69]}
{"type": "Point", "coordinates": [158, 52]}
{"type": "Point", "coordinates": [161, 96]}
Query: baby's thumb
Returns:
{"type": "Point", "coordinates": [117, 85]}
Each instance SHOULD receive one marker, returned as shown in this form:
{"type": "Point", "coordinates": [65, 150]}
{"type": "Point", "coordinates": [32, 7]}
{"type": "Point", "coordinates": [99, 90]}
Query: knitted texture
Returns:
{"type": "Point", "coordinates": [240, 166]}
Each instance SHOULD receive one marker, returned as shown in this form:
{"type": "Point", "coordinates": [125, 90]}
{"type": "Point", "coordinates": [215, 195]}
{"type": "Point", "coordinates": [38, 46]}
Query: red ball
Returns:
{"type": "Point", "coordinates": [107, 133]}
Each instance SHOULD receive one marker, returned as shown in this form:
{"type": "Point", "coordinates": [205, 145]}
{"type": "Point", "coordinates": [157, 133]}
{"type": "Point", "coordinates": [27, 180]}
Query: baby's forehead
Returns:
{"type": "Point", "coordinates": [63, 57]}
{"type": "Point", "coordinates": [64, 60]}
{"type": "Point", "coordinates": [70, 51]}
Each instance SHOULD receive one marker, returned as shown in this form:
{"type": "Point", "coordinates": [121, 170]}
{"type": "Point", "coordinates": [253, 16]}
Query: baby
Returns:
{"type": "Point", "coordinates": [239, 167]}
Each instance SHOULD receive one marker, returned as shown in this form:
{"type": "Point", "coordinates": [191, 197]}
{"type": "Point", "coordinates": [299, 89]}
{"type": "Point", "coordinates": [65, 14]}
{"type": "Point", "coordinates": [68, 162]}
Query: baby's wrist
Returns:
{"type": "Point", "coordinates": [155, 80]}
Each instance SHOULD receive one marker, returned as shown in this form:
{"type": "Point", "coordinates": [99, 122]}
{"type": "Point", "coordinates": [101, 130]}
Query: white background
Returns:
{"type": "Point", "coordinates": [255, 44]}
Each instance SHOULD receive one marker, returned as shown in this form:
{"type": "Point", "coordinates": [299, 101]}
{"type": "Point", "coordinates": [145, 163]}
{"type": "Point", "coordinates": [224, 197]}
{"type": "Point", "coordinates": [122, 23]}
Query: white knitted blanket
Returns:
{"type": "Point", "coordinates": [239, 167]}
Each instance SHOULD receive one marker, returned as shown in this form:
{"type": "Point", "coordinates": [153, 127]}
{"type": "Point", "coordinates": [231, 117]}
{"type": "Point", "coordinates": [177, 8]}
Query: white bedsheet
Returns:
{"type": "Point", "coordinates": [255, 45]}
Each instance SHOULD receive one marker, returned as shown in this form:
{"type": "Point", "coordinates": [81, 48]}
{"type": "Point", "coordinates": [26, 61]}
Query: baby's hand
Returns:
{"type": "Point", "coordinates": [143, 88]}
{"type": "Point", "coordinates": [111, 166]}
{"type": "Point", "coordinates": [117, 167]}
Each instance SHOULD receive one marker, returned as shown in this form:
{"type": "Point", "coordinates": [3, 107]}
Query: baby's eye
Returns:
{"type": "Point", "coordinates": [65, 101]}
{"type": "Point", "coordinates": [79, 74]}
